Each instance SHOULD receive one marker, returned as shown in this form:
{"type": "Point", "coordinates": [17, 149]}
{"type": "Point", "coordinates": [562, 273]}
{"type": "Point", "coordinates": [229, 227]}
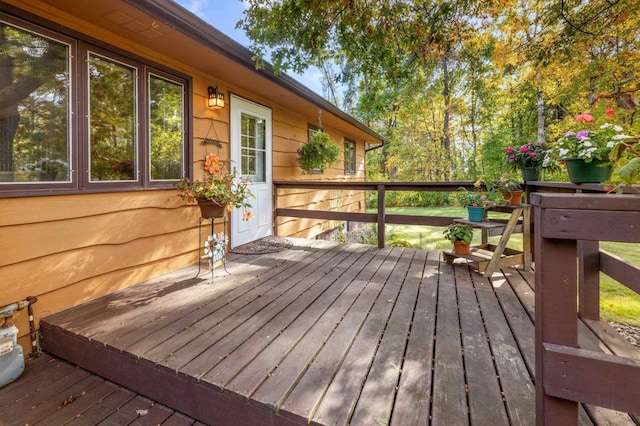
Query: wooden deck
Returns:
{"type": "Point", "coordinates": [323, 333]}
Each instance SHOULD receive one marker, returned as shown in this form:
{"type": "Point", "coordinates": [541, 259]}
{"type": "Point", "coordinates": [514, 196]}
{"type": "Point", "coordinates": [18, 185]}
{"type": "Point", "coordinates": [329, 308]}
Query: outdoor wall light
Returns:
{"type": "Point", "coordinates": [216, 99]}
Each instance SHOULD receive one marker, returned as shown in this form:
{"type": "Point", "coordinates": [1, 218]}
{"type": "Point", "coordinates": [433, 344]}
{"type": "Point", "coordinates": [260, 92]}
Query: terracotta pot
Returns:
{"type": "Point", "coordinates": [514, 198]}
{"type": "Point", "coordinates": [461, 248]}
{"type": "Point", "coordinates": [210, 209]}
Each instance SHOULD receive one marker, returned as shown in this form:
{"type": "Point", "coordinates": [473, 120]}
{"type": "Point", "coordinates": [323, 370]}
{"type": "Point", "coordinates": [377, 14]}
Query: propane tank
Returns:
{"type": "Point", "coordinates": [11, 355]}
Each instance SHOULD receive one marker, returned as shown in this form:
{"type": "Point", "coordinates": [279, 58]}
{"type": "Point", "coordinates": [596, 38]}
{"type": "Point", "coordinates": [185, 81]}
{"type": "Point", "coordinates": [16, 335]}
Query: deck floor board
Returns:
{"type": "Point", "coordinates": [323, 333]}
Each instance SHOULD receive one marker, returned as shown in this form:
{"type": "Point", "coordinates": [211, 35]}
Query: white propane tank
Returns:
{"type": "Point", "coordinates": [11, 356]}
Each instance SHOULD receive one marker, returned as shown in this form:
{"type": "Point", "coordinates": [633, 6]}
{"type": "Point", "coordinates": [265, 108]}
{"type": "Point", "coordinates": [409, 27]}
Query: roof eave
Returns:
{"type": "Point", "coordinates": [201, 31]}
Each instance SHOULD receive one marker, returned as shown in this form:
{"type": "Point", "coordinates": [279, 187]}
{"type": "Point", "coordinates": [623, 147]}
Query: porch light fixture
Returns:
{"type": "Point", "coordinates": [216, 98]}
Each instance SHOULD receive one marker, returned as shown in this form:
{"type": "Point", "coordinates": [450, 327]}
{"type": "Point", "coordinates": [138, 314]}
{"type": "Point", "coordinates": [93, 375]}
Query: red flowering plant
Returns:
{"type": "Point", "coordinates": [531, 154]}
{"type": "Point", "coordinates": [218, 185]}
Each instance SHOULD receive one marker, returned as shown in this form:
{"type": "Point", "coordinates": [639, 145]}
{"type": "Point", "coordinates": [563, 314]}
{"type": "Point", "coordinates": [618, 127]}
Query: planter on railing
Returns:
{"type": "Point", "coordinates": [580, 171]}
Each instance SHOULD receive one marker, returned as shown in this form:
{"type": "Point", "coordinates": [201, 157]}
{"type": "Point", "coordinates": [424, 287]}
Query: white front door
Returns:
{"type": "Point", "coordinates": [251, 156]}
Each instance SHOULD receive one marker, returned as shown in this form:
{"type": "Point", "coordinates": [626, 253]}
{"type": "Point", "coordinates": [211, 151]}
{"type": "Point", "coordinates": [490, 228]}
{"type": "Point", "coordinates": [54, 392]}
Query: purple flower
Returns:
{"type": "Point", "coordinates": [569, 133]}
{"type": "Point", "coordinates": [583, 134]}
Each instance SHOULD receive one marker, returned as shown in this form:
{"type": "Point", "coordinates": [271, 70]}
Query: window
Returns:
{"type": "Point", "coordinates": [116, 123]}
{"type": "Point", "coordinates": [35, 124]}
{"type": "Point", "coordinates": [166, 128]}
{"type": "Point", "coordinates": [349, 156]}
{"type": "Point", "coordinates": [253, 150]}
{"type": "Point", "coordinates": [112, 120]}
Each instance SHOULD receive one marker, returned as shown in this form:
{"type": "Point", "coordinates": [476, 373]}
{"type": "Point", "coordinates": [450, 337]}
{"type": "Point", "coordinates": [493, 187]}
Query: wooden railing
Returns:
{"type": "Point", "coordinates": [380, 217]}
{"type": "Point", "coordinates": [568, 261]}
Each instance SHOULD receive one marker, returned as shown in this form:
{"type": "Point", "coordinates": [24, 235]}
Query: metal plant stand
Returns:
{"type": "Point", "coordinates": [214, 248]}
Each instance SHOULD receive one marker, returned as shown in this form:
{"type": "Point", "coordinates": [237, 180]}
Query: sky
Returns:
{"type": "Point", "coordinates": [224, 14]}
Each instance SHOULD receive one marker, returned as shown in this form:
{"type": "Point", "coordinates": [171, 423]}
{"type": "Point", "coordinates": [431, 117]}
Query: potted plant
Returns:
{"type": "Point", "coordinates": [460, 235]}
{"type": "Point", "coordinates": [591, 155]}
{"type": "Point", "coordinates": [218, 190]}
{"type": "Point", "coordinates": [475, 201]}
{"type": "Point", "coordinates": [530, 158]}
{"type": "Point", "coordinates": [511, 190]}
{"type": "Point", "coordinates": [318, 153]}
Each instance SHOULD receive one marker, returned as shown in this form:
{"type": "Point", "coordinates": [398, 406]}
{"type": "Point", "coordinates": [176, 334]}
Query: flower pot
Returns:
{"type": "Point", "coordinates": [461, 248]}
{"type": "Point", "coordinates": [583, 172]}
{"type": "Point", "coordinates": [210, 209]}
{"type": "Point", "coordinates": [530, 173]}
{"type": "Point", "coordinates": [476, 214]}
{"type": "Point", "coordinates": [513, 198]}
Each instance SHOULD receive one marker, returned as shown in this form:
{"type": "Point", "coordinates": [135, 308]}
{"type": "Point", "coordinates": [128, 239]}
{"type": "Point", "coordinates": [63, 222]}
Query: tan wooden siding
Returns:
{"type": "Point", "coordinates": [66, 249]}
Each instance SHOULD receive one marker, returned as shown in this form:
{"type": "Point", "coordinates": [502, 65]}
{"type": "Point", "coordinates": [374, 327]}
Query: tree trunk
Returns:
{"type": "Point", "coordinates": [446, 141]}
{"type": "Point", "coordinates": [540, 117]}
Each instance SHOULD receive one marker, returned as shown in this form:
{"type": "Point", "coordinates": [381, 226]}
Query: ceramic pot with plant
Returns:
{"type": "Point", "coordinates": [511, 190]}
{"type": "Point", "coordinates": [218, 190]}
{"type": "Point", "coordinates": [530, 158]}
{"type": "Point", "coordinates": [475, 202]}
{"type": "Point", "coordinates": [460, 235]}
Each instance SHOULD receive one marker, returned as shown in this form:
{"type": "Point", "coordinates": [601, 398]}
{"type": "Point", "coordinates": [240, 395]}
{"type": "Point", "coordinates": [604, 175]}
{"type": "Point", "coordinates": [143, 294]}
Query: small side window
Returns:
{"type": "Point", "coordinates": [349, 156]}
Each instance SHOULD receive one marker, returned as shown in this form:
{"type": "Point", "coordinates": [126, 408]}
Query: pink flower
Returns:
{"type": "Point", "coordinates": [524, 149]}
{"type": "Point", "coordinates": [532, 154]}
{"type": "Point", "coordinates": [509, 150]}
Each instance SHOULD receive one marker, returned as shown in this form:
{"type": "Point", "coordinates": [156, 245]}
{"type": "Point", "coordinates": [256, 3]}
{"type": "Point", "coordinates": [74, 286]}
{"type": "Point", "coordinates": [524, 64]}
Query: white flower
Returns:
{"type": "Point", "coordinates": [605, 125]}
{"type": "Point", "coordinates": [611, 144]}
{"type": "Point", "coordinates": [620, 137]}
{"type": "Point", "coordinates": [617, 128]}
{"type": "Point", "coordinates": [563, 152]}
{"type": "Point", "coordinates": [587, 142]}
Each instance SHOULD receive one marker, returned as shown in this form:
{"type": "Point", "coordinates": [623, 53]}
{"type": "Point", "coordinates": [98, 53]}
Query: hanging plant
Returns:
{"type": "Point", "coordinates": [318, 153]}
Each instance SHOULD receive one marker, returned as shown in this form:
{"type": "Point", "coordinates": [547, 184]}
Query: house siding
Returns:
{"type": "Point", "coordinates": [69, 248]}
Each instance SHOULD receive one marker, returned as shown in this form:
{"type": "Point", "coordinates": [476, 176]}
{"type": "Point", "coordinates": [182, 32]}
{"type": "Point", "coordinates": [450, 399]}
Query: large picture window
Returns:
{"type": "Point", "coordinates": [110, 121]}
{"type": "Point", "coordinates": [34, 107]}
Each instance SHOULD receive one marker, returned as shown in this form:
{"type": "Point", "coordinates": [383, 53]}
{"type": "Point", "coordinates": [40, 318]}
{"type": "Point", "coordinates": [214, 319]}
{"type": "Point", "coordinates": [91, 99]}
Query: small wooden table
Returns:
{"type": "Point", "coordinates": [490, 257]}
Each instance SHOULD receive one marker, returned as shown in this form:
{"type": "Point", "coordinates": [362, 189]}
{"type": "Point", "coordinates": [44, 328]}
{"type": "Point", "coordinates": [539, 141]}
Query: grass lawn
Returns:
{"type": "Point", "coordinates": [617, 302]}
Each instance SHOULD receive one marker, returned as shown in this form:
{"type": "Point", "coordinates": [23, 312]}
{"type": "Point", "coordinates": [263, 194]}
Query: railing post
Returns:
{"type": "Point", "coordinates": [589, 279]}
{"type": "Point", "coordinates": [555, 314]}
{"type": "Point", "coordinates": [381, 214]}
{"type": "Point", "coordinates": [274, 217]}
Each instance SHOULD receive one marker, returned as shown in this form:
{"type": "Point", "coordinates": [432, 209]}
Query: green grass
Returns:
{"type": "Point", "coordinates": [617, 302]}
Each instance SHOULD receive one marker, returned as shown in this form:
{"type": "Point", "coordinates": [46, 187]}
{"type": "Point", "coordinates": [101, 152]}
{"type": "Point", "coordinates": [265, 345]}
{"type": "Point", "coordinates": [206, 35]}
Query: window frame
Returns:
{"type": "Point", "coordinates": [79, 46]}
